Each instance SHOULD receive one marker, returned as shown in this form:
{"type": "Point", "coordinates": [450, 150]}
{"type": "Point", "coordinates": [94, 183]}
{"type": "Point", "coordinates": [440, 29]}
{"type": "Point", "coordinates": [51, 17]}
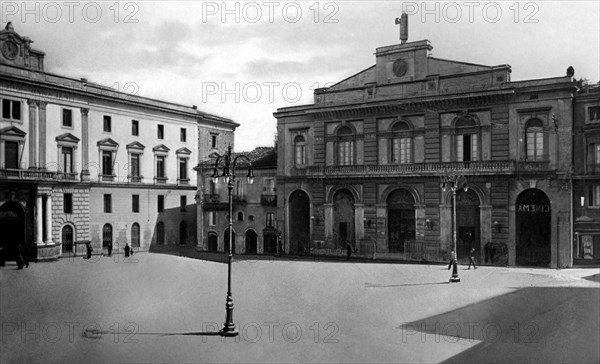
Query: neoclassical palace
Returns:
{"type": "Point", "coordinates": [80, 162]}
{"type": "Point", "coordinates": [366, 163]}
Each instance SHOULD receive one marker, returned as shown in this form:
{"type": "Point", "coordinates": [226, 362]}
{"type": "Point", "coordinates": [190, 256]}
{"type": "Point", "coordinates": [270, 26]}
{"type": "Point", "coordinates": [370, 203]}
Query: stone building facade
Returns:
{"type": "Point", "coordinates": [81, 162]}
{"type": "Point", "coordinates": [365, 163]}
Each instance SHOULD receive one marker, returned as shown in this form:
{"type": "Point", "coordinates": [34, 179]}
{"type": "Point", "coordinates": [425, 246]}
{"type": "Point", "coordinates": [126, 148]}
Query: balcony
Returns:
{"type": "Point", "coordinates": [268, 200]}
{"type": "Point", "coordinates": [506, 167]}
{"type": "Point", "coordinates": [36, 175]}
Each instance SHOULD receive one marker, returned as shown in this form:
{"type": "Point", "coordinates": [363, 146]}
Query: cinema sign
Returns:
{"type": "Point", "coordinates": [533, 208]}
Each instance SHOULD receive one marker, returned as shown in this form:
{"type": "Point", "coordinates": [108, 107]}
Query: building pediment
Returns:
{"type": "Point", "coordinates": [108, 142]}
{"type": "Point", "coordinates": [136, 145]}
{"type": "Point", "coordinates": [13, 131]}
{"type": "Point", "coordinates": [183, 150]}
{"type": "Point", "coordinates": [161, 148]}
{"type": "Point", "coordinates": [67, 138]}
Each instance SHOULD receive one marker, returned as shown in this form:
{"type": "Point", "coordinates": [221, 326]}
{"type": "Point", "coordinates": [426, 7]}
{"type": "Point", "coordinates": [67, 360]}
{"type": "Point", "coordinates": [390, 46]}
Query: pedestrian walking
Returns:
{"type": "Point", "coordinates": [472, 259]}
{"type": "Point", "coordinates": [20, 257]}
{"type": "Point", "coordinates": [127, 249]}
{"type": "Point", "coordinates": [348, 250]}
{"type": "Point", "coordinates": [88, 250]}
{"type": "Point", "coordinates": [109, 247]}
{"type": "Point", "coordinates": [452, 258]}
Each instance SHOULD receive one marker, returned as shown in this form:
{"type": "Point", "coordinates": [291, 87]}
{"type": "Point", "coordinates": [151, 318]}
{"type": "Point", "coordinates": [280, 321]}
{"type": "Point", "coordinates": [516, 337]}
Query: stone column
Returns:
{"type": "Point", "coordinates": [382, 233]}
{"type": "Point", "coordinates": [200, 242]}
{"type": "Point", "coordinates": [32, 134]}
{"type": "Point", "coordinates": [359, 224]}
{"type": "Point", "coordinates": [85, 170]}
{"type": "Point", "coordinates": [42, 143]}
{"type": "Point", "coordinates": [328, 210]}
{"type": "Point", "coordinates": [512, 233]}
{"type": "Point", "coordinates": [446, 232]}
{"type": "Point", "coordinates": [48, 232]}
{"type": "Point", "coordinates": [485, 231]}
{"type": "Point", "coordinates": [39, 222]}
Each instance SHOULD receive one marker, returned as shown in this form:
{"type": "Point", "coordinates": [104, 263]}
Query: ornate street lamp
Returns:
{"type": "Point", "coordinates": [454, 182]}
{"type": "Point", "coordinates": [228, 176]}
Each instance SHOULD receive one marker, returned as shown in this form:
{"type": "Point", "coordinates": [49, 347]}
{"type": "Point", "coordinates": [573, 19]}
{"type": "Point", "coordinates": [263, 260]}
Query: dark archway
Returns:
{"type": "Point", "coordinates": [467, 223]}
{"type": "Point", "coordinates": [12, 226]}
{"type": "Point", "coordinates": [66, 239]}
{"type": "Point", "coordinates": [269, 243]}
{"type": "Point", "coordinates": [182, 232]}
{"type": "Point", "coordinates": [299, 221]}
{"type": "Point", "coordinates": [135, 235]}
{"type": "Point", "coordinates": [533, 228]}
{"type": "Point", "coordinates": [107, 235]}
{"type": "Point", "coordinates": [213, 244]}
{"type": "Point", "coordinates": [250, 242]}
{"type": "Point", "coordinates": [401, 220]}
{"type": "Point", "coordinates": [343, 217]}
{"type": "Point", "coordinates": [226, 241]}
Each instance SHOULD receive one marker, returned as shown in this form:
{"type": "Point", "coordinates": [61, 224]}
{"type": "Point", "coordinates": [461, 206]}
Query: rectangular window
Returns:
{"type": "Point", "coordinates": [182, 135]}
{"type": "Point", "coordinates": [161, 203]}
{"type": "Point", "coordinates": [270, 219]}
{"type": "Point", "coordinates": [597, 156]}
{"type": "Point", "coordinates": [11, 109]}
{"type": "Point", "coordinates": [269, 186]}
{"type": "Point", "coordinates": [212, 218]}
{"type": "Point", "coordinates": [134, 168]}
{"type": "Point", "coordinates": [401, 149]}
{"type": "Point", "coordinates": [594, 113]}
{"type": "Point", "coordinates": [182, 168]}
{"type": "Point", "coordinates": [300, 156]}
{"type": "Point", "coordinates": [135, 203]}
{"type": "Point", "coordinates": [594, 196]}
{"type": "Point", "coordinates": [135, 128]}
{"type": "Point", "coordinates": [11, 155]}
{"type": "Point", "coordinates": [160, 166]}
{"type": "Point", "coordinates": [107, 163]}
{"type": "Point", "coordinates": [466, 148]}
{"type": "Point", "coordinates": [535, 145]}
{"type": "Point", "coordinates": [161, 132]}
{"type": "Point", "coordinates": [213, 141]}
{"type": "Point", "coordinates": [182, 203]}
{"type": "Point", "coordinates": [345, 153]}
{"type": "Point", "coordinates": [107, 124]}
{"type": "Point", "coordinates": [107, 203]}
{"type": "Point", "coordinates": [67, 159]}
{"type": "Point", "coordinates": [67, 118]}
{"type": "Point", "coordinates": [68, 203]}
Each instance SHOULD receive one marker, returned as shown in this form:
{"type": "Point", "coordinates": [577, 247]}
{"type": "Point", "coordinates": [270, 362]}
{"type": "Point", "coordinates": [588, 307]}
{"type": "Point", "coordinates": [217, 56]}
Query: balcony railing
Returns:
{"type": "Point", "coordinates": [268, 200]}
{"type": "Point", "coordinates": [32, 174]}
{"type": "Point", "coordinates": [418, 169]}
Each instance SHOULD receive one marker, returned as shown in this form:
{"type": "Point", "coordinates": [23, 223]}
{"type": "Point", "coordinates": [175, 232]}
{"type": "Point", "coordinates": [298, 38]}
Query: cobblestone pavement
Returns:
{"type": "Point", "coordinates": [119, 310]}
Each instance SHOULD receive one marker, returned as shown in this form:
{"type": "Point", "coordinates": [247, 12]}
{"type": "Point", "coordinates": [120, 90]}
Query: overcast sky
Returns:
{"type": "Point", "coordinates": [243, 60]}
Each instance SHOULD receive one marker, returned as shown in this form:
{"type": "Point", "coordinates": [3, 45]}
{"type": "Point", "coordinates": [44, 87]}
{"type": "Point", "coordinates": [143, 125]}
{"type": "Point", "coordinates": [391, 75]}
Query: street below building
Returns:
{"type": "Point", "coordinates": [126, 310]}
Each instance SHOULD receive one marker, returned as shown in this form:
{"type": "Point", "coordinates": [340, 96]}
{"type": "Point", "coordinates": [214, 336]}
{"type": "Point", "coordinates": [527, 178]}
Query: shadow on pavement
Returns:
{"type": "Point", "coordinates": [375, 285]}
{"type": "Point", "coordinates": [594, 278]}
{"type": "Point", "coordinates": [539, 324]}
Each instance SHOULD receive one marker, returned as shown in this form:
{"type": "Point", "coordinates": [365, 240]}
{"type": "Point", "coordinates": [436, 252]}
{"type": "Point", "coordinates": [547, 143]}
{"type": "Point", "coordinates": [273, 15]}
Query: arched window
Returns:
{"type": "Point", "coordinates": [160, 233]}
{"type": "Point", "coordinates": [466, 139]}
{"type": "Point", "coordinates": [240, 216]}
{"type": "Point", "coordinates": [345, 147]}
{"type": "Point", "coordinates": [535, 139]}
{"type": "Point", "coordinates": [67, 239]}
{"type": "Point", "coordinates": [135, 235]}
{"type": "Point", "coordinates": [106, 235]}
{"type": "Point", "coordinates": [401, 144]}
{"type": "Point", "coordinates": [300, 150]}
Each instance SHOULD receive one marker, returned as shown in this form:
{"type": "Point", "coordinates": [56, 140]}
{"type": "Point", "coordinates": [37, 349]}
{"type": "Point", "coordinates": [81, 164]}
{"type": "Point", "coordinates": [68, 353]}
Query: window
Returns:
{"type": "Point", "coordinates": [240, 216]}
{"type": "Point", "coordinates": [213, 141]}
{"type": "Point", "coordinates": [183, 168]}
{"type": "Point", "coordinates": [594, 196]}
{"type": "Point", "coordinates": [11, 109]}
{"type": "Point", "coordinates": [182, 203]}
{"type": "Point", "coordinates": [134, 167]}
{"type": "Point", "coordinates": [161, 132]}
{"type": "Point", "coordinates": [160, 166]}
{"type": "Point", "coordinates": [11, 155]}
{"type": "Point", "coordinates": [401, 143]}
{"type": "Point", "coordinates": [270, 219]}
{"type": "Point", "coordinates": [594, 113]}
{"type": "Point", "coordinates": [106, 235]}
{"type": "Point", "coordinates": [535, 140]}
{"type": "Point", "coordinates": [67, 159]}
{"type": "Point", "coordinates": [345, 147]}
{"type": "Point", "coordinates": [107, 124]}
{"type": "Point", "coordinates": [269, 186]}
{"type": "Point", "coordinates": [161, 203]}
{"type": "Point", "coordinates": [300, 150]}
{"type": "Point", "coordinates": [212, 218]}
{"type": "Point", "coordinates": [135, 128]}
{"type": "Point", "coordinates": [135, 203]}
{"type": "Point", "coordinates": [107, 203]}
{"type": "Point", "coordinates": [135, 235]}
{"type": "Point", "coordinates": [466, 147]}
{"type": "Point", "coordinates": [182, 135]}
{"type": "Point", "coordinates": [67, 118]}
{"type": "Point", "coordinates": [68, 203]}
{"type": "Point", "coordinates": [107, 163]}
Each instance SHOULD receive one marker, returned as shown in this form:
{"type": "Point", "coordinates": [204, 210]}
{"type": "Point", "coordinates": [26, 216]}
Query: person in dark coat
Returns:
{"type": "Point", "coordinates": [2, 255]}
{"type": "Point", "coordinates": [89, 250]}
{"type": "Point", "coordinates": [472, 259]}
{"type": "Point", "coordinates": [20, 257]}
{"type": "Point", "coordinates": [348, 250]}
{"type": "Point", "coordinates": [127, 249]}
{"type": "Point", "coordinates": [452, 258]}
{"type": "Point", "coordinates": [109, 247]}
{"type": "Point", "coordinates": [492, 252]}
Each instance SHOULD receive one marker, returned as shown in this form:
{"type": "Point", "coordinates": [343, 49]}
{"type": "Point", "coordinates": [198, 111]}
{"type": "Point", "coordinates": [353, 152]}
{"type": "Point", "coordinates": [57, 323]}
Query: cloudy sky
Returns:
{"type": "Point", "coordinates": [243, 60]}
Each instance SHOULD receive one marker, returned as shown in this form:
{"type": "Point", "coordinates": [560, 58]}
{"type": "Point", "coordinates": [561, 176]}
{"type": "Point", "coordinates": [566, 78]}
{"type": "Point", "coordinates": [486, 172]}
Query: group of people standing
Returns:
{"type": "Point", "coordinates": [109, 247]}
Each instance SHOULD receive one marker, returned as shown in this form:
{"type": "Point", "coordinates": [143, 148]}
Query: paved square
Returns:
{"type": "Point", "coordinates": [118, 310]}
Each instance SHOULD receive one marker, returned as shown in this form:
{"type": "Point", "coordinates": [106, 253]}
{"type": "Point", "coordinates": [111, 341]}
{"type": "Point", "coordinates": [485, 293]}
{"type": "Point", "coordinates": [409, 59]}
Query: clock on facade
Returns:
{"type": "Point", "coordinates": [9, 49]}
{"type": "Point", "coordinates": [400, 67]}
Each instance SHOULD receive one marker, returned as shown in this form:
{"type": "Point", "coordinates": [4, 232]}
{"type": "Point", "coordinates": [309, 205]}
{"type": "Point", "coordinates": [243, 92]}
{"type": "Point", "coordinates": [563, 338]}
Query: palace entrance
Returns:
{"type": "Point", "coordinates": [533, 224]}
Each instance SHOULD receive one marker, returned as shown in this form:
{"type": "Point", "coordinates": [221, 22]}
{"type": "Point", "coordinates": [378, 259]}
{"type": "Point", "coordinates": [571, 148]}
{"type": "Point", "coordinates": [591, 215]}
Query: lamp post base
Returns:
{"type": "Point", "coordinates": [228, 332]}
{"type": "Point", "coordinates": [454, 278]}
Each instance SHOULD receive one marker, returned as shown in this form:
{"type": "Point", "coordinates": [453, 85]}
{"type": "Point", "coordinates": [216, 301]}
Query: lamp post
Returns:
{"type": "Point", "coordinates": [228, 176]}
{"type": "Point", "coordinates": [454, 181]}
